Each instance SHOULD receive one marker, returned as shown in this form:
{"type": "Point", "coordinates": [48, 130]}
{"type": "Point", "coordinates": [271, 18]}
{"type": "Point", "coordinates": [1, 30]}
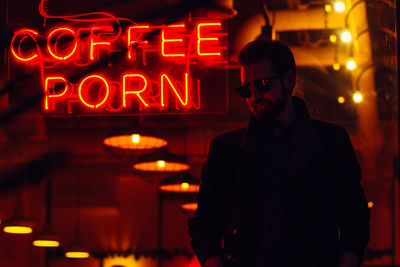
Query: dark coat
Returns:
{"type": "Point", "coordinates": [328, 212]}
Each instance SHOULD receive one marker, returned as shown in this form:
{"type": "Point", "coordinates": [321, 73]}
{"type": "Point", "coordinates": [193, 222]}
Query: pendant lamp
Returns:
{"type": "Point", "coordinates": [189, 206]}
{"type": "Point", "coordinates": [182, 182]}
{"type": "Point", "coordinates": [18, 224]}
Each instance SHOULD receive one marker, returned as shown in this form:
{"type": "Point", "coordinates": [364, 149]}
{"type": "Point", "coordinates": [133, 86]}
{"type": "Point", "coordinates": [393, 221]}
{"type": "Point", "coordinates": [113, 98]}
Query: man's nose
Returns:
{"type": "Point", "coordinates": [256, 95]}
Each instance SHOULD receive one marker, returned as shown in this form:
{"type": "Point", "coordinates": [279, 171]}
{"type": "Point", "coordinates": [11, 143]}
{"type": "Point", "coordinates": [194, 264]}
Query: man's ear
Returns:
{"type": "Point", "coordinates": [290, 81]}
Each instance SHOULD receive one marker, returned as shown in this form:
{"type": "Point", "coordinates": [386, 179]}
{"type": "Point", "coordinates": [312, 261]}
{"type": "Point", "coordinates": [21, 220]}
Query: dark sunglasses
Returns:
{"type": "Point", "coordinates": [262, 85]}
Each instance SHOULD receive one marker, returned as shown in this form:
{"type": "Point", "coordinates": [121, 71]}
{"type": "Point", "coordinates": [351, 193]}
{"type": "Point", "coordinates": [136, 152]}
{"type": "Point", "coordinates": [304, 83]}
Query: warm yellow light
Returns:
{"type": "Point", "coordinates": [339, 6]}
{"type": "Point", "coordinates": [46, 243]}
{"type": "Point", "coordinates": [370, 204]}
{"type": "Point", "coordinates": [184, 185]}
{"type": "Point", "coordinates": [358, 97]}
{"type": "Point", "coordinates": [341, 99]}
{"type": "Point", "coordinates": [17, 229]}
{"type": "Point", "coordinates": [351, 64]}
{"type": "Point", "coordinates": [161, 163]}
{"type": "Point", "coordinates": [189, 206]}
{"type": "Point", "coordinates": [336, 66]}
{"type": "Point", "coordinates": [346, 36]}
{"type": "Point", "coordinates": [333, 38]}
{"type": "Point", "coordinates": [328, 8]}
{"type": "Point", "coordinates": [135, 138]}
{"type": "Point", "coordinates": [77, 254]}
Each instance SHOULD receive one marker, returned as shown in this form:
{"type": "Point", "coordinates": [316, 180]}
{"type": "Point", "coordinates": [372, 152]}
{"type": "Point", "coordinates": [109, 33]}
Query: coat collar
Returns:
{"type": "Point", "coordinates": [306, 141]}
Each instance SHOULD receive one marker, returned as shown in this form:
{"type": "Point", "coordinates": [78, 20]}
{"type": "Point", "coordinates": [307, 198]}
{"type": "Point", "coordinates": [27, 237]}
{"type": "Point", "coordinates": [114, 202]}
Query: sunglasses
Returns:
{"type": "Point", "coordinates": [262, 85]}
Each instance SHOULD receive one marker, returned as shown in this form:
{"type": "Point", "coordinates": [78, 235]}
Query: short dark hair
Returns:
{"type": "Point", "coordinates": [276, 52]}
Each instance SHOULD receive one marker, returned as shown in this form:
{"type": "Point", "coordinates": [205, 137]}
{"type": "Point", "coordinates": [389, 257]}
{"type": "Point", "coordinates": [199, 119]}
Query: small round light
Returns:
{"type": "Point", "coordinates": [185, 185]}
{"type": "Point", "coordinates": [339, 6]}
{"type": "Point", "coordinates": [346, 36]}
{"type": "Point", "coordinates": [17, 229]}
{"type": "Point", "coordinates": [370, 204]}
{"type": "Point", "coordinates": [351, 64]}
{"type": "Point", "coordinates": [135, 138]}
{"type": "Point", "coordinates": [341, 99]}
{"type": "Point", "coordinates": [358, 97]}
{"type": "Point", "coordinates": [328, 8]}
{"type": "Point", "coordinates": [46, 243]}
{"type": "Point", "coordinates": [77, 254]}
{"type": "Point", "coordinates": [333, 38]}
{"type": "Point", "coordinates": [336, 66]}
{"type": "Point", "coordinates": [160, 163]}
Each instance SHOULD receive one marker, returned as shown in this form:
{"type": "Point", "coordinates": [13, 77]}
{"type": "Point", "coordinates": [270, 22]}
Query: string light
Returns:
{"type": "Point", "coordinates": [351, 64]}
{"type": "Point", "coordinates": [346, 36]}
{"type": "Point", "coordinates": [339, 6]}
{"type": "Point", "coordinates": [357, 97]}
{"type": "Point", "coordinates": [336, 66]}
{"type": "Point", "coordinates": [333, 38]}
{"type": "Point", "coordinates": [370, 204]}
{"type": "Point", "coordinates": [341, 99]}
{"type": "Point", "coordinates": [328, 8]}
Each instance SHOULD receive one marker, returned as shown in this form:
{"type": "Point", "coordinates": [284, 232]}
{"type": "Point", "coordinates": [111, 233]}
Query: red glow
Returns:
{"type": "Point", "coordinates": [183, 102]}
{"type": "Point", "coordinates": [176, 28]}
{"type": "Point", "coordinates": [139, 30]}
{"type": "Point", "coordinates": [93, 42]}
{"type": "Point", "coordinates": [65, 30]}
{"type": "Point", "coordinates": [137, 92]}
{"type": "Point", "coordinates": [207, 39]}
{"type": "Point", "coordinates": [53, 81]}
{"type": "Point", "coordinates": [89, 80]}
{"type": "Point", "coordinates": [27, 32]}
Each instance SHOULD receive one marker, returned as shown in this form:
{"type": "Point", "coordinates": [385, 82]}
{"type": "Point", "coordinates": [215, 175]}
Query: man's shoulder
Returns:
{"type": "Point", "coordinates": [229, 138]}
{"type": "Point", "coordinates": [329, 131]}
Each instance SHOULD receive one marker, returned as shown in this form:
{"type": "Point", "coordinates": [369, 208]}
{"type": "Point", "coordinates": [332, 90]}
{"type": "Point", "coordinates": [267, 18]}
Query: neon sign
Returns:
{"type": "Point", "coordinates": [163, 68]}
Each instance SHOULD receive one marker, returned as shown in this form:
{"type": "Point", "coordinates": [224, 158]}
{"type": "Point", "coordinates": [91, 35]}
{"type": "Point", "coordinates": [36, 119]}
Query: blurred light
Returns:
{"type": "Point", "coordinates": [185, 185]}
{"type": "Point", "coordinates": [77, 254]}
{"type": "Point", "coordinates": [341, 99]}
{"type": "Point", "coordinates": [17, 229]}
{"type": "Point", "coordinates": [333, 38]}
{"type": "Point", "coordinates": [328, 8]}
{"type": "Point", "coordinates": [346, 36]}
{"type": "Point", "coordinates": [370, 204]}
{"type": "Point", "coordinates": [339, 6]}
{"type": "Point", "coordinates": [358, 97]}
{"type": "Point", "coordinates": [351, 64]}
{"type": "Point", "coordinates": [46, 243]}
{"type": "Point", "coordinates": [336, 66]}
{"type": "Point", "coordinates": [191, 206]}
{"type": "Point", "coordinates": [161, 163]}
{"type": "Point", "coordinates": [135, 138]}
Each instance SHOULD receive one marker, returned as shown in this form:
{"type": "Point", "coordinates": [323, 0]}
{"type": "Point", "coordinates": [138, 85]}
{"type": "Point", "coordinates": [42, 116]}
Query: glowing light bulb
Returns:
{"type": "Point", "coordinates": [333, 38]}
{"type": "Point", "coordinates": [339, 6]}
{"type": "Point", "coordinates": [135, 138]}
{"type": "Point", "coordinates": [370, 204]}
{"type": "Point", "coordinates": [46, 243]}
{"type": "Point", "coordinates": [341, 99]}
{"type": "Point", "coordinates": [336, 66]}
{"type": "Point", "coordinates": [351, 64]}
{"type": "Point", "coordinates": [328, 8]}
{"type": "Point", "coordinates": [77, 254]}
{"type": "Point", "coordinates": [161, 163]}
{"type": "Point", "coordinates": [346, 36]}
{"type": "Point", "coordinates": [358, 97]}
{"type": "Point", "coordinates": [17, 229]}
{"type": "Point", "coordinates": [184, 185]}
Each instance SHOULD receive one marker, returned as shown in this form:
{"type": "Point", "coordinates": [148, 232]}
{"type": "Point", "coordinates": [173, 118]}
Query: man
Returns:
{"type": "Point", "coordinates": [285, 191]}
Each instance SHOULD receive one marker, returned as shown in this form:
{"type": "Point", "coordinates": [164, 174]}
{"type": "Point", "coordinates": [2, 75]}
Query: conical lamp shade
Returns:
{"type": "Point", "coordinates": [182, 182]}
{"type": "Point", "coordinates": [77, 251]}
{"type": "Point", "coordinates": [18, 224]}
{"type": "Point", "coordinates": [46, 239]}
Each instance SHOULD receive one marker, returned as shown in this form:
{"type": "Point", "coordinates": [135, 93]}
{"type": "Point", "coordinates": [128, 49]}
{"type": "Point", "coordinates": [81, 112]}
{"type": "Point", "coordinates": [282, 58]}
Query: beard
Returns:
{"type": "Point", "coordinates": [268, 111]}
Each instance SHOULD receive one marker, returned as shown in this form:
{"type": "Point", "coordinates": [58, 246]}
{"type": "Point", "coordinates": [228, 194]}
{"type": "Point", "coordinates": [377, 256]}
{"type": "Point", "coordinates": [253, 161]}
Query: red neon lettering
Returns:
{"type": "Point", "coordinates": [184, 103]}
{"type": "Point", "coordinates": [65, 30]}
{"type": "Point", "coordinates": [28, 32]}
{"type": "Point", "coordinates": [204, 39]}
{"type": "Point", "coordinates": [132, 41]}
{"type": "Point", "coordinates": [89, 79]}
{"type": "Point", "coordinates": [178, 40]}
{"type": "Point", "coordinates": [93, 42]}
{"type": "Point", "coordinates": [125, 92]}
{"type": "Point", "coordinates": [53, 81]}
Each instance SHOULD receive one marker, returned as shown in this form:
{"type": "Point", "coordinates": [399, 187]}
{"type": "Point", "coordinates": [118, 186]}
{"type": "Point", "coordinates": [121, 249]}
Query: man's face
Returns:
{"type": "Point", "coordinates": [265, 105]}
